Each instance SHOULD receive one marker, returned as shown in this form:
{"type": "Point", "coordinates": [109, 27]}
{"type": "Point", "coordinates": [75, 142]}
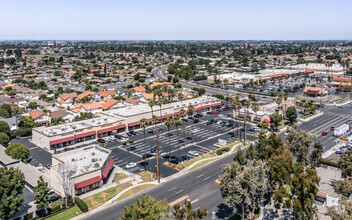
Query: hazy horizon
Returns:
{"type": "Point", "coordinates": [158, 20]}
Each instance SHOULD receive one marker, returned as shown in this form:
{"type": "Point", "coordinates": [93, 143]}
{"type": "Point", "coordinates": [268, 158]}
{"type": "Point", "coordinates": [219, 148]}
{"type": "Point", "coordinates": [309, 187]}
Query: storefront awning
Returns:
{"type": "Point", "coordinates": [85, 134]}
{"type": "Point", "coordinates": [133, 124]}
{"type": "Point", "coordinates": [216, 104]}
{"type": "Point", "coordinates": [111, 129]}
{"type": "Point", "coordinates": [166, 116]}
{"type": "Point", "coordinates": [202, 107]}
{"type": "Point", "coordinates": [108, 168]}
{"type": "Point", "coordinates": [87, 182]}
{"type": "Point", "coordinates": [63, 140]}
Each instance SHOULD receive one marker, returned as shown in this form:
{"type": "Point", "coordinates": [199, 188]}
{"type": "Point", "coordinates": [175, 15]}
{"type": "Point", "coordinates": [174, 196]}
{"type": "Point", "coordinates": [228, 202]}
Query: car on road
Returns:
{"type": "Point", "coordinates": [131, 148]}
{"type": "Point", "coordinates": [324, 133]}
{"type": "Point", "coordinates": [130, 165]}
{"type": "Point", "coordinates": [194, 153]}
{"type": "Point", "coordinates": [147, 155]}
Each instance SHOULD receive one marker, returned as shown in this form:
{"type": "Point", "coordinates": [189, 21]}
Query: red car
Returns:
{"type": "Point", "coordinates": [223, 109]}
{"type": "Point", "coordinates": [324, 133]}
{"type": "Point", "coordinates": [213, 112]}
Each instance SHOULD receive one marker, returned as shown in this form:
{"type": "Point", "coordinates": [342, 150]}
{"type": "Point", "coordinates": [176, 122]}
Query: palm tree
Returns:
{"type": "Point", "coordinates": [190, 110]}
{"type": "Point", "coordinates": [330, 65]}
{"type": "Point", "coordinates": [155, 119]}
{"type": "Point", "coordinates": [144, 123]}
{"type": "Point", "coordinates": [255, 108]}
{"type": "Point", "coordinates": [246, 105]}
{"type": "Point", "coordinates": [176, 120]}
{"type": "Point", "coordinates": [160, 103]}
{"type": "Point", "coordinates": [183, 114]}
{"type": "Point", "coordinates": [237, 106]}
{"type": "Point", "coordinates": [151, 104]}
{"type": "Point", "coordinates": [168, 122]}
{"type": "Point", "coordinates": [285, 98]}
{"type": "Point", "coordinates": [180, 97]}
{"type": "Point", "coordinates": [279, 101]}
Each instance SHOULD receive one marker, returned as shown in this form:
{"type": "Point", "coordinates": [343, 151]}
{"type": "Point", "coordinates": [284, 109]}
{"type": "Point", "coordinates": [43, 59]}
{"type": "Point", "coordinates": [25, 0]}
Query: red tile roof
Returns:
{"type": "Point", "coordinates": [36, 114]}
{"type": "Point", "coordinates": [109, 103]}
{"type": "Point", "coordinates": [107, 93]}
{"type": "Point", "coordinates": [87, 182]}
{"type": "Point", "coordinates": [84, 94]}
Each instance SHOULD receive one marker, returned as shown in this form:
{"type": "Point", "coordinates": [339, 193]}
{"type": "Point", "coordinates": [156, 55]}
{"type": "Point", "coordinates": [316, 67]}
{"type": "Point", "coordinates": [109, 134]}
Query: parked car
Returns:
{"type": "Point", "coordinates": [131, 148]}
{"type": "Point", "coordinates": [193, 153]}
{"type": "Point", "coordinates": [195, 130]}
{"type": "Point", "coordinates": [196, 121]}
{"type": "Point", "coordinates": [53, 197]}
{"type": "Point", "coordinates": [124, 135]}
{"type": "Point", "coordinates": [324, 133]}
{"type": "Point", "coordinates": [208, 122]}
{"type": "Point", "coordinates": [185, 119]}
{"type": "Point", "coordinates": [221, 125]}
{"type": "Point", "coordinates": [213, 112]}
{"type": "Point", "coordinates": [28, 159]}
{"type": "Point", "coordinates": [130, 165]}
{"type": "Point", "coordinates": [185, 157]}
{"type": "Point", "coordinates": [133, 132]}
{"type": "Point", "coordinates": [150, 131]}
{"type": "Point", "coordinates": [169, 134]}
{"type": "Point", "coordinates": [100, 140]}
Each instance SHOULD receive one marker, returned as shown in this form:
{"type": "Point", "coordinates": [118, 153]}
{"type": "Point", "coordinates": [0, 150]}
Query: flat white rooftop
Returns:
{"type": "Point", "coordinates": [143, 108]}
{"type": "Point", "coordinates": [74, 126]}
{"type": "Point", "coordinates": [84, 160]}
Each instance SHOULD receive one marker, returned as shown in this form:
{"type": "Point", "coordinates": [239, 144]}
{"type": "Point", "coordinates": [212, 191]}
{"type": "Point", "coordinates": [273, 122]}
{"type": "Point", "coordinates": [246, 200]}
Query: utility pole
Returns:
{"type": "Point", "coordinates": [157, 153]}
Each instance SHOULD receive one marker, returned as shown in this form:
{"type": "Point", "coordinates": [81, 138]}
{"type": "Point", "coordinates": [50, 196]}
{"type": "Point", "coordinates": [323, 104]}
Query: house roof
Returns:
{"type": "Point", "coordinates": [66, 96]}
{"type": "Point", "coordinates": [159, 84]}
{"type": "Point", "coordinates": [107, 93]}
{"type": "Point", "coordinates": [36, 114]}
{"type": "Point", "coordinates": [133, 101]}
{"type": "Point", "coordinates": [109, 103]}
{"type": "Point", "coordinates": [59, 113]}
{"type": "Point", "coordinates": [84, 94]}
{"type": "Point", "coordinates": [94, 105]}
{"type": "Point", "coordinates": [148, 96]}
{"type": "Point", "coordinates": [76, 110]}
{"type": "Point", "coordinates": [138, 89]}
{"type": "Point", "coordinates": [314, 90]}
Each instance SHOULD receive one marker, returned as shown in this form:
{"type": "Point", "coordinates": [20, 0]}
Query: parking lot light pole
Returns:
{"type": "Point", "coordinates": [157, 153]}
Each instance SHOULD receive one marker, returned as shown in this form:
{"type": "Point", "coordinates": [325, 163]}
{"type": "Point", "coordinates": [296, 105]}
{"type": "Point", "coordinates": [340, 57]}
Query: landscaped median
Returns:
{"type": "Point", "coordinates": [68, 214]}
{"type": "Point", "coordinates": [100, 198]}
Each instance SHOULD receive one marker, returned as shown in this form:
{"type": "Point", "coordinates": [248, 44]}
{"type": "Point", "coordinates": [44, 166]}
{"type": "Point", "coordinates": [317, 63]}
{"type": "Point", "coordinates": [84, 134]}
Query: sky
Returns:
{"type": "Point", "coordinates": [175, 20]}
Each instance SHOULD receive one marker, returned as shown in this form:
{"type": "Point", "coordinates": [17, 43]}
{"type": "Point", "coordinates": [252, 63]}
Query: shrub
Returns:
{"type": "Point", "coordinates": [81, 204]}
{"type": "Point", "coordinates": [222, 150]}
{"type": "Point", "coordinates": [329, 162]}
{"type": "Point", "coordinates": [18, 151]}
{"type": "Point", "coordinates": [22, 132]}
{"type": "Point", "coordinates": [4, 139]}
{"type": "Point", "coordinates": [260, 124]}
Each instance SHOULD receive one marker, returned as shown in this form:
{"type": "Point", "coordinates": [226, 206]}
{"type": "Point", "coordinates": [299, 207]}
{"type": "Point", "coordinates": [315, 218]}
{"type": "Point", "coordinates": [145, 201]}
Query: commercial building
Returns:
{"type": "Point", "coordinates": [112, 121]}
{"type": "Point", "coordinates": [75, 132]}
{"type": "Point", "coordinates": [80, 170]}
{"type": "Point", "coordinates": [131, 115]}
{"type": "Point", "coordinates": [315, 91]}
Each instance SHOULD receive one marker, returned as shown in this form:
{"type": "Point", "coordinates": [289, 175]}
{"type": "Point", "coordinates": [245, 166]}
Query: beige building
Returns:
{"type": "Point", "coordinates": [80, 170]}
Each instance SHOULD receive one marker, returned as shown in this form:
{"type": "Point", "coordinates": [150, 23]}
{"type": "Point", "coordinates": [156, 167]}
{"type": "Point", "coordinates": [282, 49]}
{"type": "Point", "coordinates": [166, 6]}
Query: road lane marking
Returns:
{"type": "Point", "coordinates": [178, 200]}
{"type": "Point", "coordinates": [194, 201]}
{"type": "Point", "coordinates": [207, 178]}
{"type": "Point", "coordinates": [172, 188]}
{"type": "Point", "coordinates": [180, 191]}
{"type": "Point", "coordinates": [199, 176]}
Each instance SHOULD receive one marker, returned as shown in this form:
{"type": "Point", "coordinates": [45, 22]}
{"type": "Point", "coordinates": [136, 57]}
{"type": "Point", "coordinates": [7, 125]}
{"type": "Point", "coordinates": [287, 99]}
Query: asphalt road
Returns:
{"type": "Point", "coordinates": [199, 185]}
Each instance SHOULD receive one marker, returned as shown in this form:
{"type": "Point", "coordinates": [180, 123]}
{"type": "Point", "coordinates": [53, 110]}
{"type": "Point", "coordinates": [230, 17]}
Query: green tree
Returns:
{"type": "Point", "coordinates": [244, 189]}
{"type": "Point", "coordinates": [344, 187]}
{"type": "Point", "coordinates": [304, 188]}
{"type": "Point", "coordinates": [4, 139]}
{"type": "Point", "coordinates": [186, 212]}
{"type": "Point", "coordinates": [32, 105]}
{"type": "Point", "coordinates": [291, 114]}
{"type": "Point", "coordinates": [239, 157]}
{"type": "Point", "coordinates": [18, 151]}
{"type": "Point", "coordinates": [27, 122]}
{"type": "Point", "coordinates": [298, 142]}
{"type": "Point", "coordinates": [342, 212]}
{"type": "Point", "coordinates": [316, 154]}
{"type": "Point", "coordinates": [345, 164]}
{"type": "Point", "coordinates": [11, 191]}
{"type": "Point", "coordinates": [275, 120]}
{"type": "Point", "coordinates": [146, 208]}
{"type": "Point", "coordinates": [5, 128]}
{"type": "Point", "coordinates": [41, 194]}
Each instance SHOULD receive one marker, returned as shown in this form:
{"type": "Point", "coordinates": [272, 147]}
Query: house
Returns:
{"type": "Point", "coordinates": [138, 90]}
{"type": "Point", "coordinates": [66, 98]}
{"type": "Point", "coordinates": [65, 115]}
{"type": "Point", "coordinates": [12, 122]}
{"type": "Point", "coordinates": [146, 97]}
{"type": "Point", "coordinates": [111, 104]}
{"type": "Point", "coordinates": [94, 107]}
{"type": "Point", "coordinates": [109, 94]}
{"type": "Point", "coordinates": [132, 101]}
{"type": "Point", "coordinates": [91, 95]}
{"type": "Point", "coordinates": [40, 117]}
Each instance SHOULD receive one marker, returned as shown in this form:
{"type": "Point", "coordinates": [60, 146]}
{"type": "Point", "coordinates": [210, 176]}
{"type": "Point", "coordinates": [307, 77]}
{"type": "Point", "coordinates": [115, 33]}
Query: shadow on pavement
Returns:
{"type": "Point", "coordinates": [224, 211]}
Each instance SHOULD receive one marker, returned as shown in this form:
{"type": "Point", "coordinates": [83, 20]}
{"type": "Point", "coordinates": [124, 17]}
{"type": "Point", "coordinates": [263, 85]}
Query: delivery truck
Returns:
{"type": "Point", "coordinates": [340, 130]}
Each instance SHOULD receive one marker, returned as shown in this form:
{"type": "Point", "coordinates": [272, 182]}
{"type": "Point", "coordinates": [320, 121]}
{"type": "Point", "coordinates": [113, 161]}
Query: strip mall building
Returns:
{"type": "Point", "coordinates": [113, 121]}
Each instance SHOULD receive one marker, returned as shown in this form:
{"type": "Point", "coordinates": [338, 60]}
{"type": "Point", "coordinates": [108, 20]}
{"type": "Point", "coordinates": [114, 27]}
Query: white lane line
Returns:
{"type": "Point", "coordinates": [194, 201]}
{"type": "Point", "coordinates": [172, 188]}
{"type": "Point", "coordinates": [199, 176]}
{"type": "Point", "coordinates": [206, 178]}
{"type": "Point", "coordinates": [179, 191]}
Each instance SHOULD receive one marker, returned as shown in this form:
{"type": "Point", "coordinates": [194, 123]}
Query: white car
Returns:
{"type": "Point", "coordinates": [193, 153]}
{"type": "Point", "coordinates": [130, 165]}
{"type": "Point", "coordinates": [195, 131]}
{"type": "Point", "coordinates": [220, 115]}
{"type": "Point", "coordinates": [124, 139]}
{"type": "Point", "coordinates": [124, 135]}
